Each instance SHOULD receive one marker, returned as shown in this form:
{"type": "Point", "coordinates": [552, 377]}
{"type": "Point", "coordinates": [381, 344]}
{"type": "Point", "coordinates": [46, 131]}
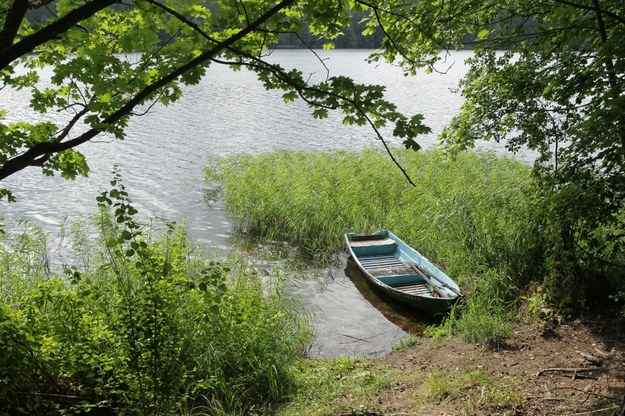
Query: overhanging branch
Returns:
{"type": "Point", "coordinates": [29, 157]}
{"type": "Point", "coordinates": [593, 8]}
{"type": "Point", "coordinates": [303, 88]}
{"type": "Point", "coordinates": [29, 43]}
{"type": "Point", "coordinates": [260, 64]}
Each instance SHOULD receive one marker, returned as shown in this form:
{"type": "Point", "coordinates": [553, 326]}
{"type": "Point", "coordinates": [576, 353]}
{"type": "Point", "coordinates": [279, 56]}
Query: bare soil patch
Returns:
{"type": "Point", "coordinates": [572, 368]}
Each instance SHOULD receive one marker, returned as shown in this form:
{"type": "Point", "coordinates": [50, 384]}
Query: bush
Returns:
{"type": "Point", "coordinates": [148, 326]}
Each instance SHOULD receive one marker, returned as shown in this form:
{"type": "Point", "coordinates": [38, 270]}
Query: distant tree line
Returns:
{"type": "Point", "coordinates": [352, 37]}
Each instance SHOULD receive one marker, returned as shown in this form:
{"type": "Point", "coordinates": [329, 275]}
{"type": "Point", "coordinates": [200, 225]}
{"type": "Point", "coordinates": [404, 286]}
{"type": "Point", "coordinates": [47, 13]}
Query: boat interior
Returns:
{"type": "Point", "coordinates": [380, 258]}
{"type": "Point", "coordinates": [394, 272]}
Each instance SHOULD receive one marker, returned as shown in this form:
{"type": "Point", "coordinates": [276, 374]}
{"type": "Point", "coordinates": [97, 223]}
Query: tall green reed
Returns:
{"type": "Point", "coordinates": [24, 259]}
{"type": "Point", "coordinates": [469, 214]}
{"type": "Point", "coordinates": [466, 214]}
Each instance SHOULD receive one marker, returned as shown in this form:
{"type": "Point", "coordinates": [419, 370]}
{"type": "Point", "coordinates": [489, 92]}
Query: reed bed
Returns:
{"type": "Point", "coordinates": [468, 214]}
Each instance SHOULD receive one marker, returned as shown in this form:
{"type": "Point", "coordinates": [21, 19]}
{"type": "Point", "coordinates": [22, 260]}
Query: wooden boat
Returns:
{"type": "Point", "coordinates": [401, 272]}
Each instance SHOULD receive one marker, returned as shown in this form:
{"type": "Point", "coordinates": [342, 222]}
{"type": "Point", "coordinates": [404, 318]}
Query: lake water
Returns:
{"type": "Point", "coordinates": [162, 158]}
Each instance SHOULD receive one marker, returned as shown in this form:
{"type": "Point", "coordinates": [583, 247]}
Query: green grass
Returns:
{"type": "Point", "coordinates": [478, 392]}
{"type": "Point", "coordinates": [407, 342]}
{"type": "Point", "coordinates": [478, 320]}
{"type": "Point", "coordinates": [469, 215]}
{"type": "Point", "coordinates": [333, 386]}
{"type": "Point", "coordinates": [360, 386]}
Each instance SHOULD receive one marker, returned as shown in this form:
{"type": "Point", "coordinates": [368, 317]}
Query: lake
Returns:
{"type": "Point", "coordinates": [229, 112]}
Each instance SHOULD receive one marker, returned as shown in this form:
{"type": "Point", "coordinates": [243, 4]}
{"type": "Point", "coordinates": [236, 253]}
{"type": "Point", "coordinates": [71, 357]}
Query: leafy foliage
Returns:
{"type": "Point", "coordinates": [146, 327]}
{"type": "Point", "coordinates": [545, 76]}
{"type": "Point", "coordinates": [110, 61]}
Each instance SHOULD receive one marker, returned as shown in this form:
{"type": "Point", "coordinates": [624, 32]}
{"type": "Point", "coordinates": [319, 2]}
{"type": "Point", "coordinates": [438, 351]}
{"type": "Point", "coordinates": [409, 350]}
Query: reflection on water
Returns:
{"type": "Point", "coordinates": [352, 319]}
{"type": "Point", "coordinates": [408, 319]}
{"type": "Point", "coordinates": [346, 323]}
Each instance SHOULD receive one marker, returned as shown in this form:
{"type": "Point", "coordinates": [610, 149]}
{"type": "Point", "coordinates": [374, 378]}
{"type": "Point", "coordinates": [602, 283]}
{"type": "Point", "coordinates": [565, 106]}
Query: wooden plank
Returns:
{"type": "Point", "coordinates": [426, 271]}
{"type": "Point", "coordinates": [374, 265]}
{"type": "Point", "coordinates": [379, 261]}
{"type": "Point", "coordinates": [399, 270]}
{"type": "Point", "coordinates": [414, 289]}
{"type": "Point", "coordinates": [378, 257]}
{"type": "Point", "coordinates": [424, 277]}
{"type": "Point", "coordinates": [365, 237]}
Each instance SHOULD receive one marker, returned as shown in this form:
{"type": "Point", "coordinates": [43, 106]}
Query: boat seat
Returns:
{"type": "Point", "coordinates": [373, 243]}
{"type": "Point", "coordinates": [401, 280]}
{"type": "Point", "coordinates": [375, 247]}
{"type": "Point", "coordinates": [416, 289]}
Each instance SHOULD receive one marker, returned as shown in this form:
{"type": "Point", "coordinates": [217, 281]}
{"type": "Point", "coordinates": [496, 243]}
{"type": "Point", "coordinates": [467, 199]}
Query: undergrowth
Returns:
{"type": "Point", "coordinates": [495, 396]}
{"type": "Point", "coordinates": [142, 324]}
{"type": "Point", "coordinates": [331, 386]}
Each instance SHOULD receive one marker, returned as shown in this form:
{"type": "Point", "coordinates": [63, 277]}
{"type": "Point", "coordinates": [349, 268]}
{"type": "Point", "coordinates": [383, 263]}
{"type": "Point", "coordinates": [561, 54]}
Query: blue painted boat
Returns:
{"type": "Point", "coordinates": [402, 273]}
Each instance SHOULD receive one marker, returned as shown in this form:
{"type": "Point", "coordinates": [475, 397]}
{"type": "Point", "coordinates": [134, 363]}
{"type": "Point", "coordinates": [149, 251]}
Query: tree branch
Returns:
{"type": "Point", "coordinates": [30, 156]}
{"type": "Point", "coordinates": [377, 10]}
{"type": "Point", "coordinates": [12, 22]}
{"type": "Point", "coordinates": [284, 77]}
{"type": "Point", "coordinates": [615, 16]}
{"type": "Point", "coordinates": [54, 29]}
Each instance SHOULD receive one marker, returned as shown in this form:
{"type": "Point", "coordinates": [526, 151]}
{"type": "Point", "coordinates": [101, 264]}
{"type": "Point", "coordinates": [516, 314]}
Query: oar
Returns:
{"type": "Point", "coordinates": [423, 271]}
{"type": "Point", "coordinates": [428, 281]}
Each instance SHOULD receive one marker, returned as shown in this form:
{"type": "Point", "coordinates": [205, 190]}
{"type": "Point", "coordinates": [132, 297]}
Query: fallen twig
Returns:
{"type": "Point", "coordinates": [605, 354]}
{"type": "Point", "coordinates": [573, 370]}
{"type": "Point", "coordinates": [551, 398]}
{"type": "Point", "coordinates": [360, 339]}
{"type": "Point", "coordinates": [591, 358]}
{"type": "Point", "coordinates": [590, 412]}
{"type": "Point", "coordinates": [611, 398]}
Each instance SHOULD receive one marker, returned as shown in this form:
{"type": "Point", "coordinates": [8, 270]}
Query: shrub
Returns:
{"type": "Point", "coordinates": [147, 326]}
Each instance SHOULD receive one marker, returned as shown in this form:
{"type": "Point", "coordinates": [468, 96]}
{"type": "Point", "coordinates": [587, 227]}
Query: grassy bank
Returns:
{"type": "Point", "coordinates": [470, 215]}
{"type": "Point", "coordinates": [139, 325]}
{"type": "Point", "coordinates": [365, 387]}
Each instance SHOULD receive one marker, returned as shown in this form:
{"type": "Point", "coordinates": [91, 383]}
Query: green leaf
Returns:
{"type": "Point", "coordinates": [290, 96]}
{"type": "Point", "coordinates": [483, 34]}
{"type": "Point", "coordinates": [412, 144]}
{"type": "Point", "coordinates": [320, 113]}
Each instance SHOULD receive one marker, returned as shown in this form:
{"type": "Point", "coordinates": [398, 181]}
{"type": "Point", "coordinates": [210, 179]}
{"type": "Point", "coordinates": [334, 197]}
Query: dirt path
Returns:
{"type": "Point", "coordinates": [576, 368]}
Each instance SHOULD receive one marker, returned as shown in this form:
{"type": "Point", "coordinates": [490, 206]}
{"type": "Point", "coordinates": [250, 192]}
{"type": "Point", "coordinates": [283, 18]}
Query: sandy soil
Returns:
{"type": "Point", "coordinates": [572, 368]}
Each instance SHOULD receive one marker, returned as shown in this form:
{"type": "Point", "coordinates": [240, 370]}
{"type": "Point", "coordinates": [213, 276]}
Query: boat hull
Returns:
{"type": "Point", "coordinates": [402, 273]}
